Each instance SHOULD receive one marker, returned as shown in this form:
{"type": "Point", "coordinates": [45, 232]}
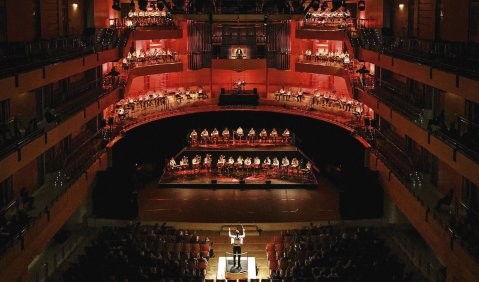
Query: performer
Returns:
{"type": "Point", "coordinates": [214, 135]}
{"type": "Point", "coordinates": [239, 133]}
{"type": "Point", "coordinates": [275, 164]}
{"type": "Point", "coordinates": [207, 162]}
{"type": "Point", "coordinates": [172, 164]}
{"type": "Point", "coordinates": [263, 135]}
{"type": "Point", "coordinates": [237, 241]}
{"type": "Point", "coordinates": [284, 164]}
{"type": "Point", "coordinates": [221, 163]}
{"type": "Point", "coordinates": [226, 135]}
{"type": "Point", "coordinates": [295, 165]}
{"type": "Point", "coordinates": [204, 136]}
{"type": "Point", "coordinates": [239, 162]}
{"type": "Point", "coordinates": [239, 53]}
{"type": "Point", "coordinates": [299, 97]}
{"type": "Point", "coordinates": [273, 135]}
{"type": "Point", "coordinates": [193, 137]}
{"type": "Point", "coordinates": [230, 164]}
{"type": "Point", "coordinates": [196, 164]}
{"type": "Point", "coordinates": [184, 163]}
{"type": "Point", "coordinates": [257, 163]}
{"type": "Point", "coordinates": [247, 164]}
{"type": "Point", "coordinates": [251, 135]}
{"type": "Point", "coordinates": [286, 136]}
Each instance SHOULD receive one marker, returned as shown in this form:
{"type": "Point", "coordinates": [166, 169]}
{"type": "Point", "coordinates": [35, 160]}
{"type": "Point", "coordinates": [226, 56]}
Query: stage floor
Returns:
{"type": "Point", "coordinates": [239, 205]}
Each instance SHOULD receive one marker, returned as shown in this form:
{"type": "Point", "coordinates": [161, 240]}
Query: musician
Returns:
{"type": "Point", "coordinates": [326, 98]}
{"type": "Point", "coordinates": [299, 97]}
{"type": "Point", "coordinates": [239, 162]}
{"type": "Point", "coordinates": [237, 241]}
{"type": "Point", "coordinates": [307, 170]}
{"type": "Point", "coordinates": [284, 164]}
{"type": "Point", "coordinates": [196, 163]}
{"type": "Point", "coordinates": [226, 135]}
{"type": "Point", "coordinates": [349, 104]}
{"type": "Point", "coordinates": [308, 54]}
{"type": "Point", "coordinates": [172, 164]}
{"type": "Point", "coordinates": [287, 96]}
{"type": "Point", "coordinates": [214, 135]}
{"type": "Point", "coordinates": [256, 163]}
{"type": "Point", "coordinates": [121, 113]}
{"type": "Point", "coordinates": [286, 135]}
{"type": "Point", "coordinates": [247, 163]}
{"type": "Point", "coordinates": [275, 164]}
{"type": "Point", "coordinates": [263, 135]}
{"type": "Point", "coordinates": [184, 163]}
{"type": "Point", "coordinates": [294, 165]}
{"type": "Point", "coordinates": [316, 97]}
{"type": "Point", "coordinates": [240, 133]}
{"type": "Point", "coordinates": [239, 53]}
{"type": "Point", "coordinates": [204, 136]}
{"type": "Point", "coordinates": [207, 162]}
{"type": "Point", "coordinates": [221, 163]}
{"type": "Point", "coordinates": [251, 135]}
{"type": "Point", "coordinates": [273, 135]}
{"type": "Point", "coordinates": [317, 55]}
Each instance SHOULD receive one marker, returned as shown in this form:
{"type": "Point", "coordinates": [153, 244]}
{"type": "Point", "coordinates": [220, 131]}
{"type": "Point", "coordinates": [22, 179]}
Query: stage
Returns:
{"type": "Point", "coordinates": [241, 97]}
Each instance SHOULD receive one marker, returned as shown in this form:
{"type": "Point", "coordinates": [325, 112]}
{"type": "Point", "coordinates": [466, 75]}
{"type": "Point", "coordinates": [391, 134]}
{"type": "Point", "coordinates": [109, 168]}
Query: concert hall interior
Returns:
{"type": "Point", "coordinates": [239, 140]}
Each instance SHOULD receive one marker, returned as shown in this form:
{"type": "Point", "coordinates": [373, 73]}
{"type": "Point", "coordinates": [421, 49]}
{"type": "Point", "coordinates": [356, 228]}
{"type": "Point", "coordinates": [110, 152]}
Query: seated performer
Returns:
{"type": "Point", "coordinates": [204, 136]}
{"type": "Point", "coordinates": [207, 162]}
{"type": "Point", "coordinates": [273, 135]}
{"type": "Point", "coordinates": [307, 170]}
{"type": "Point", "coordinates": [193, 137]}
{"type": "Point", "coordinates": [251, 135]}
{"type": "Point", "coordinates": [239, 162]}
{"type": "Point", "coordinates": [172, 165]}
{"type": "Point", "coordinates": [236, 241]}
{"type": "Point", "coordinates": [282, 92]}
{"type": "Point", "coordinates": [286, 136]}
{"type": "Point", "coordinates": [230, 164]}
{"type": "Point", "coordinates": [247, 164]}
{"type": "Point", "coordinates": [263, 135]}
{"type": "Point", "coordinates": [316, 97]}
{"type": "Point", "coordinates": [239, 133]}
{"type": "Point", "coordinates": [285, 164]}
{"type": "Point", "coordinates": [195, 163]}
{"type": "Point", "coordinates": [294, 165]}
{"type": "Point", "coordinates": [226, 135]}
{"type": "Point", "coordinates": [214, 135]}
{"type": "Point", "coordinates": [299, 97]}
{"type": "Point", "coordinates": [256, 163]}
{"type": "Point", "coordinates": [184, 163]}
{"type": "Point", "coordinates": [221, 163]}
{"type": "Point", "coordinates": [275, 164]}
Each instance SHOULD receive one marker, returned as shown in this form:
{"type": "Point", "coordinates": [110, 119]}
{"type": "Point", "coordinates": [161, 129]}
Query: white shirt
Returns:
{"type": "Point", "coordinates": [237, 240]}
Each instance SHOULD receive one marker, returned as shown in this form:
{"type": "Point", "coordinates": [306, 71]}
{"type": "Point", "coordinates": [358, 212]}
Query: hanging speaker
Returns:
{"type": "Point", "coordinates": [361, 5]}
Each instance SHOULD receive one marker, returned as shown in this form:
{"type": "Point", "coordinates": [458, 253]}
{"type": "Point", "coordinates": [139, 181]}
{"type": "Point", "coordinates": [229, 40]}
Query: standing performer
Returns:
{"type": "Point", "coordinates": [236, 241]}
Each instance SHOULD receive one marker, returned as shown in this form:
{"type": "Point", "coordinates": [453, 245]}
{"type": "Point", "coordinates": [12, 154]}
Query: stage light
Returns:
{"type": "Point", "coordinates": [401, 6]}
{"type": "Point", "coordinates": [265, 20]}
{"type": "Point", "coordinates": [315, 6]}
{"type": "Point", "coordinates": [361, 5]}
{"type": "Point", "coordinates": [75, 5]}
{"type": "Point", "coordinates": [116, 5]}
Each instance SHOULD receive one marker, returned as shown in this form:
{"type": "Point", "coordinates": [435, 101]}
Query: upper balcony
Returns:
{"type": "Point", "coordinates": [461, 157]}
{"type": "Point", "coordinates": [148, 27]}
{"type": "Point", "coordinates": [442, 65]}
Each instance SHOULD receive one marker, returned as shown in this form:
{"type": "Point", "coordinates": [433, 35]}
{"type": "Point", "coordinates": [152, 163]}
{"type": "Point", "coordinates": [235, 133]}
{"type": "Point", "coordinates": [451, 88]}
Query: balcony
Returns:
{"type": "Point", "coordinates": [416, 197]}
{"type": "Point", "coordinates": [26, 81]}
{"type": "Point", "coordinates": [405, 116]}
{"type": "Point", "coordinates": [71, 117]}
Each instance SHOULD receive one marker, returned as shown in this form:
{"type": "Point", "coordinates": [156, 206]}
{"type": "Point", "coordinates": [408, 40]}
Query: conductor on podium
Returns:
{"type": "Point", "coordinates": [239, 53]}
{"type": "Point", "coordinates": [236, 241]}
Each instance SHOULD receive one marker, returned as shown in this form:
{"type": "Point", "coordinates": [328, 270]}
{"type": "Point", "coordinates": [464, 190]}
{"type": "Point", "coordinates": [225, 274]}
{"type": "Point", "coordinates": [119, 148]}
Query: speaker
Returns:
{"type": "Point", "coordinates": [267, 182]}
{"type": "Point", "coordinates": [222, 91]}
{"type": "Point", "coordinates": [214, 181]}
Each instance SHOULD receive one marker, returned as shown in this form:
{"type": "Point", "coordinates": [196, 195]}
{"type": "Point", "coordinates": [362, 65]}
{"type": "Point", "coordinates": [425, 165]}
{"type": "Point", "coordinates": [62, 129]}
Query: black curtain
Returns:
{"type": "Point", "coordinates": [199, 45]}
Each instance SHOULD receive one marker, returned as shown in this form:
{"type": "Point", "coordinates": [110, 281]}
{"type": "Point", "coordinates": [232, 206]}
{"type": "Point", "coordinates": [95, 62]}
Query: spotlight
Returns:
{"type": "Point", "coordinates": [75, 5]}
{"type": "Point", "coordinates": [315, 6]}
{"type": "Point", "coordinates": [132, 4]}
{"type": "Point", "coordinates": [265, 20]}
{"type": "Point", "coordinates": [116, 5]}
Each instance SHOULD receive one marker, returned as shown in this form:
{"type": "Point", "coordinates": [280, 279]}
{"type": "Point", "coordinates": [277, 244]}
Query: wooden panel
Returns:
{"type": "Point", "coordinates": [426, 19]}
{"type": "Point", "coordinates": [149, 34]}
{"type": "Point", "coordinates": [338, 35]}
{"type": "Point", "coordinates": [50, 19]}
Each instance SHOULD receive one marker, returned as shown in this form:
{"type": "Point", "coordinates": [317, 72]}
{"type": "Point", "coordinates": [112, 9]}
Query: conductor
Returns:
{"type": "Point", "coordinates": [239, 53]}
{"type": "Point", "coordinates": [236, 241]}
